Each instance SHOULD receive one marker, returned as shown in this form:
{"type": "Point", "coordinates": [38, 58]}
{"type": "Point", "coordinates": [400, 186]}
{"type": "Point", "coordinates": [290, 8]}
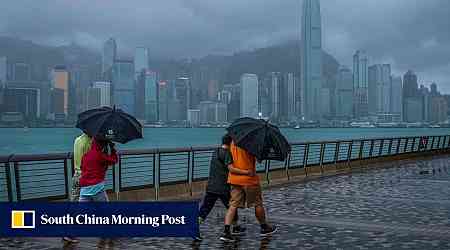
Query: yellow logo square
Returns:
{"type": "Point", "coordinates": [22, 219]}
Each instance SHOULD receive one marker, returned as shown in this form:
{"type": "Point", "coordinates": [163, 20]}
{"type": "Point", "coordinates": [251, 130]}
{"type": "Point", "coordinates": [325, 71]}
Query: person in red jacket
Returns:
{"type": "Point", "coordinates": [94, 165]}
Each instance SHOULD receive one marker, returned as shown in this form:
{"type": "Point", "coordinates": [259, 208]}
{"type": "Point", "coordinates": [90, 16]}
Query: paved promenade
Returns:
{"type": "Point", "coordinates": [393, 208]}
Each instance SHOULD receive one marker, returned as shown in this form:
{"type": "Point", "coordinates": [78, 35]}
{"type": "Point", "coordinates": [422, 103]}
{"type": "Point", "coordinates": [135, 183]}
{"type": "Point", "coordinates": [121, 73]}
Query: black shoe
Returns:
{"type": "Point", "coordinates": [238, 230]}
{"type": "Point", "coordinates": [227, 237]}
{"type": "Point", "coordinates": [268, 230]}
{"type": "Point", "coordinates": [198, 238]}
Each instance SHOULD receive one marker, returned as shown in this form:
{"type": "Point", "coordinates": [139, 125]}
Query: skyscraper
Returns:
{"type": "Point", "coordinates": [311, 58]}
{"type": "Point", "coordinates": [140, 60]}
{"type": "Point", "coordinates": [3, 71]}
{"type": "Point", "coordinates": [183, 93]}
{"type": "Point", "coordinates": [60, 81]}
{"type": "Point", "coordinates": [108, 56]}
{"type": "Point", "coordinates": [410, 91]}
{"type": "Point", "coordinates": [396, 95]}
{"type": "Point", "coordinates": [290, 83]}
{"type": "Point", "coordinates": [379, 90]}
{"type": "Point", "coordinates": [344, 94]}
{"type": "Point", "coordinates": [151, 96]}
{"type": "Point", "coordinates": [360, 84]}
{"type": "Point", "coordinates": [249, 95]}
{"type": "Point", "coordinates": [123, 82]}
{"type": "Point", "coordinates": [105, 93]}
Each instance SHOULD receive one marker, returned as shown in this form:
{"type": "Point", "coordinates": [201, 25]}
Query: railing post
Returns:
{"type": "Point", "coordinates": [380, 152]}
{"type": "Point", "coordinates": [361, 147]}
{"type": "Point", "coordinates": [399, 141]}
{"type": "Point", "coordinates": [390, 146]}
{"type": "Point", "coordinates": [189, 172]}
{"type": "Point", "coordinates": [405, 148]}
{"type": "Point", "coordinates": [16, 178]}
{"type": "Point", "coordinates": [371, 148]}
{"type": "Point", "coordinates": [156, 174]}
{"type": "Point", "coordinates": [322, 149]}
{"type": "Point", "coordinates": [349, 154]}
{"type": "Point", "coordinates": [287, 164]}
{"type": "Point", "coordinates": [117, 178]}
{"type": "Point", "coordinates": [448, 143]}
{"type": "Point", "coordinates": [413, 144]}
{"type": "Point", "coordinates": [305, 158]}
{"type": "Point", "coordinates": [426, 144]}
{"type": "Point", "coordinates": [9, 184]}
{"type": "Point", "coordinates": [266, 169]}
{"type": "Point", "coordinates": [67, 186]}
{"type": "Point", "coordinates": [432, 143]}
{"type": "Point", "coordinates": [439, 143]}
{"type": "Point", "coordinates": [336, 153]}
{"type": "Point", "coordinates": [68, 173]}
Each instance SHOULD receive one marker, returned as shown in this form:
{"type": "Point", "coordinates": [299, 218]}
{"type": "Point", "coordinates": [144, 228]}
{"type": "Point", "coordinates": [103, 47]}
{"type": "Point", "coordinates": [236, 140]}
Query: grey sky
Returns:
{"type": "Point", "coordinates": [409, 34]}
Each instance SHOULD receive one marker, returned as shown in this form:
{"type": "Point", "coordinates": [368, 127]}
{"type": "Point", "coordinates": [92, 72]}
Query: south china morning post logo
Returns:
{"type": "Point", "coordinates": [23, 219]}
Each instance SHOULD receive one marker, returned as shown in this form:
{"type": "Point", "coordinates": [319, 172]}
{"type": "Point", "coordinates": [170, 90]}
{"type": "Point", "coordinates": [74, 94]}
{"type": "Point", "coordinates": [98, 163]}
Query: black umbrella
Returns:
{"type": "Point", "coordinates": [259, 138]}
{"type": "Point", "coordinates": [110, 123]}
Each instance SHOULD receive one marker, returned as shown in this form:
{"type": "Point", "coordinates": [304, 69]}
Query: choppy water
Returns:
{"type": "Point", "coordinates": [52, 140]}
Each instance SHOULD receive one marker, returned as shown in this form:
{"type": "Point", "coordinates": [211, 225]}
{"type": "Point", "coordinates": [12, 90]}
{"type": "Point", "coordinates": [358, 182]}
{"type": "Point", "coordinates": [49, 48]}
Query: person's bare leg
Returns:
{"type": "Point", "coordinates": [260, 214]}
{"type": "Point", "coordinates": [231, 212]}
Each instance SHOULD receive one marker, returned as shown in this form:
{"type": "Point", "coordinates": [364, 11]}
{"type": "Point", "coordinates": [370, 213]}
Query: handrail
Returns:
{"type": "Point", "coordinates": [60, 156]}
{"type": "Point", "coordinates": [24, 174]}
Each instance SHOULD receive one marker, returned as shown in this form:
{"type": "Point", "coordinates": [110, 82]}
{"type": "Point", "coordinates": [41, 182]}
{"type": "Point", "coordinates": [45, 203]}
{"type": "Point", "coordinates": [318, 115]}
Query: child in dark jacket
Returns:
{"type": "Point", "coordinates": [217, 187]}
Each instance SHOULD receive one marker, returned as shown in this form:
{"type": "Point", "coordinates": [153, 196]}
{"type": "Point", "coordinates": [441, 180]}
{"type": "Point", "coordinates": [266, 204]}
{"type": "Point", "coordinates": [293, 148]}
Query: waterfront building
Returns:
{"type": "Point", "coordinates": [425, 97]}
{"type": "Point", "coordinates": [105, 93]}
{"type": "Point", "coordinates": [213, 89]}
{"type": "Point", "coordinates": [3, 71]}
{"type": "Point", "coordinates": [344, 94]}
{"type": "Point", "coordinates": [163, 100]}
{"type": "Point", "coordinates": [60, 80]}
{"type": "Point", "coordinates": [93, 98]}
{"type": "Point", "coordinates": [290, 91]}
{"type": "Point", "coordinates": [264, 96]}
{"type": "Point", "coordinates": [396, 95]}
{"type": "Point", "coordinates": [439, 109]}
{"type": "Point", "coordinates": [20, 71]}
{"type": "Point", "coordinates": [413, 109]}
{"type": "Point", "coordinates": [311, 58]}
{"type": "Point", "coordinates": [57, 99]}
{"type": "Point", "coordinates": [193, 117]}
{"type": "Point", "coordinates": [123, 85]}
{"type": "Point", "coordinates": [410, 85]}
{"type": "Point", "coordinates": [108, 57]}
{"type": "Point", "coordinates": [151, 96]}
{"type": "Point", "coordinates": [183, 93]}
{"type": "Point", "coordinates": [249, 96]}
{"type": "Point", "coordinates": [360, 84]}
{"type": "Point", "coordinates": [379, 92]}
{"type": "Point", "coordinates": [275, 95]}
{"type": "Point", "coordinates": [140, 60]}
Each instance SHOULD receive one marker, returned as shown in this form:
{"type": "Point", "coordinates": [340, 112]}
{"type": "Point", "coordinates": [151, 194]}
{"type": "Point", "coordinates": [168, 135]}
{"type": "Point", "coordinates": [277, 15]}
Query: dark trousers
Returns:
{"type": "Point", "coordinates": [210, 200]}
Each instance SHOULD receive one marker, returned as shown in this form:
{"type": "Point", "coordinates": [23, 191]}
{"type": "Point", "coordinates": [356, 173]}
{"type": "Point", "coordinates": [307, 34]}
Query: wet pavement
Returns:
{"type": "Point", "coordinates": [391, 208]}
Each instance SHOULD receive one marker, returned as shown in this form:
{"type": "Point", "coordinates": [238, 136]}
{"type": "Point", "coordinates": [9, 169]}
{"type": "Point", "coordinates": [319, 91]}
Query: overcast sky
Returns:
{"type": "Point", "coordinates": [409, 34]}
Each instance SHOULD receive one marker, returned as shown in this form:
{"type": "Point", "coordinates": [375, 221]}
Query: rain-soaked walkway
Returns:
{"type": "Point", "coordinates": [405, 207]}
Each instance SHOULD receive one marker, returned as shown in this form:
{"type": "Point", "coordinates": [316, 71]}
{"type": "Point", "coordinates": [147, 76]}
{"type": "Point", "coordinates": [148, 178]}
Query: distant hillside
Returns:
{"type": "Point", "coordinates": [227, 69]}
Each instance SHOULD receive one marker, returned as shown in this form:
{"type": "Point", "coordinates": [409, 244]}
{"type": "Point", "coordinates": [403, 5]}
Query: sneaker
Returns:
{"type": "Point", "coordinates": [70, 240]}
{"type": "Point", "coordinates": [268, 230]}
{"type": "Point", "coordinates": [198, 238]}
{"type": "Point", "coordinates": [238, 230]}
{"type": "Point", "coordinates": [226, 237]}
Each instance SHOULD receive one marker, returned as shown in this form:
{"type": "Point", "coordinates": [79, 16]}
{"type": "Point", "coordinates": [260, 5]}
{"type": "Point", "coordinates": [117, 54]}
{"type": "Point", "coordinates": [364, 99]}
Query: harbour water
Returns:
{"type": "Point", "coordinates": [54, 140]}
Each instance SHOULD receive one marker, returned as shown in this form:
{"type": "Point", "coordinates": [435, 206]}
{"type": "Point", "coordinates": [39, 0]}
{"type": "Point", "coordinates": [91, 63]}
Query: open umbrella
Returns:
{"type": "Point", "coordinates": [110, 123]}
{"type": "Point", "coordinates": [259, 138]}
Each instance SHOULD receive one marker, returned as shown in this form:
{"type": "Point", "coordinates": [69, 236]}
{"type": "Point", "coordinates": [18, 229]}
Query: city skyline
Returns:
{"type": "Point", "coordinates": [378, 28]}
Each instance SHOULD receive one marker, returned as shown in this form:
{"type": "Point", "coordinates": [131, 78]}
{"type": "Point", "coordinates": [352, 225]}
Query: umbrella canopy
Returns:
{"type": "Point", "coordinates": [259, 138]}
{"type": "Point", "coordinates": [110, 123]}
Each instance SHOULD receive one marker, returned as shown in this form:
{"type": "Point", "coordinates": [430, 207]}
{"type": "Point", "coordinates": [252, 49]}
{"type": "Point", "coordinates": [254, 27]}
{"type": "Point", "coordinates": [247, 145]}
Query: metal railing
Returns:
{"type": "Point", "coordinates": [48, 176]}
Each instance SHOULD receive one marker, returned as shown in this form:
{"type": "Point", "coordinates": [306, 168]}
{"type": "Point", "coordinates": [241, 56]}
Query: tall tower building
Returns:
{"type": "Point", "coordinates": [396, 95]}
{"type": "Point", "coordinates": [360, 84]}
{"type": "Point", "coordinates": [379, 98]}
{"type": "Point", "coordinates": [249, 95]}
{"type": "Point", "coordinates": [123, 85]}
{"type": "Point", "coordinates": [311, 58]}
{"type": "Point", "coordinates": [108, 56]}
{"type": "Point", "coordinates": [140, 60]}
{"type": "Point", "coordinates": [60, 81]}
{"type": "Point", "coordinates": [344, 94]}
